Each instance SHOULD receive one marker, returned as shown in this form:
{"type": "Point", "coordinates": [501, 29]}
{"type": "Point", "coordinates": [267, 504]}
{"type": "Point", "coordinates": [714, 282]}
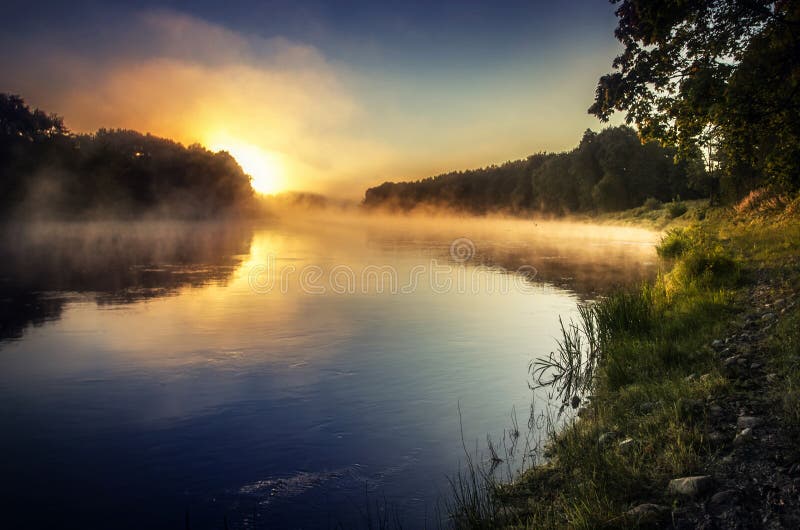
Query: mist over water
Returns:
{"type": "Point", "coordinates": [275, 373]}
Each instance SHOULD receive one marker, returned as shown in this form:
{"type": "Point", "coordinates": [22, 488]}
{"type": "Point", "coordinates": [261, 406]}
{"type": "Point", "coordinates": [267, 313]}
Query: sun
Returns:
{"type": "Point", "coordinates": [264, 167]}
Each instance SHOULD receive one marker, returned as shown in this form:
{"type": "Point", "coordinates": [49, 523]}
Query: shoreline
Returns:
{"type": "Point", "coordinates": [694, 397]}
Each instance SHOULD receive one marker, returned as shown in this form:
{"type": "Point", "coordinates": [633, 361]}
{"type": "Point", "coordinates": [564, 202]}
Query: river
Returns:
{"type": "Point", "coordinates": [283, 374]}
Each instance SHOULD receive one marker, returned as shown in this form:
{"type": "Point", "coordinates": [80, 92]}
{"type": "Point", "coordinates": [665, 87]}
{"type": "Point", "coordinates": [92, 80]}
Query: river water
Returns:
{"type": "Point", "coordinates": [282, 374]}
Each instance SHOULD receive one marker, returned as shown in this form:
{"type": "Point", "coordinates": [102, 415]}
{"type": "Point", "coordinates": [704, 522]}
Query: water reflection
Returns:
{"type": "Point", "coordinates": [161, 379]}
{"type": "Point", "coordinates": [122, 263]}
{"type": "Point", "coordinates": [112, 263]}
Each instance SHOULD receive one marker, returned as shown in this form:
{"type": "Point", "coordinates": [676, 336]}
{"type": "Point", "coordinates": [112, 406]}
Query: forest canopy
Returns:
{"type": "Point", "coordinates": [610, 170]}
{"type": "Point", "coordinates": [47, 171]}
{"type": "Point", "coordinates": [717, 77]}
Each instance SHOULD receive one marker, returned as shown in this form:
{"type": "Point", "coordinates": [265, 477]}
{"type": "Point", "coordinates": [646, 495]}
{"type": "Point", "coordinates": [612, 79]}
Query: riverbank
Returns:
{"type": "Point", "coordinates": [687, 394]}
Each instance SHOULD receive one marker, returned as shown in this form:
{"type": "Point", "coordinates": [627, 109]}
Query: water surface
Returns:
{"type": "Point", "coordinates": [281, 374]}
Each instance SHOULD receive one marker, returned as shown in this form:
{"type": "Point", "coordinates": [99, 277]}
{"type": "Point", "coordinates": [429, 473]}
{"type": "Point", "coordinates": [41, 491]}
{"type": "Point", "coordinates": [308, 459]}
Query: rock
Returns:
{"type": "Point", "coordinates": [755, 366]}
{"type": "Point", "coordinates": [690, 486]}
{"type": "Point", "coordinates": [721, 501]}
{"type": "Point", "coordinates": [647, 514]}
{"type": "Point", "coordinates": [717, 438]}
{"type": "Point", "coordinates": [705, 378]}
{"type": "Point", "coordinates": [691, 406]}
{"type": "Point", "coordinates": [767, 316]}
{"type": "Point", "coordinates": [715, 410]}
{"type": "Point", "coordinates": [606, 438]}
{"type": "Point", "coordinates": [748, 422]}
{"type": "Point", "coordinates": [689, 378]}
{"type": "Point", "coordinates": [716, 344]}
{"type": "Point", "coordinates": [731, 361]}
{"type": "Point", "coordinates": [772, 377]}
{"type": "Point", "coordinates": [744, 437]}
{"type": "Point", "coordinates": [724, 496]}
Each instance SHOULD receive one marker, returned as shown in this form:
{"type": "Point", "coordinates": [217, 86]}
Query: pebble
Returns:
{"type": "Point", "coordinates": [720, 501]}
{"type": "Point", "coordinates": [730, 361]}
{"type": "Point", "coordinates": [744, 437]}
{"type": "Point", "coordinates": [755, 366]}
{"type": "Point", "coordinates": [690, 486]}
{"type": "Point", "coordinates": [648, 513]}
{"type": "Point", "coordinates": [626, 445]}
{"type": "Point", "coordinates": [748, 422]}
{"type": "Point", "coordinates": [717, 438]}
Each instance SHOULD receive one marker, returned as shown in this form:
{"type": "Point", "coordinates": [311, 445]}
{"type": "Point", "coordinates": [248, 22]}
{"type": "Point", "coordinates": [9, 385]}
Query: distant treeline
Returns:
{"type": "Point", "coordinates": [609, 170]}
{"type": "Point", "coordinates": [46, 171]}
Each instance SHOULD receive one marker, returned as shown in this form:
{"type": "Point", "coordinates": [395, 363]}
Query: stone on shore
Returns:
{"type": "Point", "coordinates": [690, 486]}
{"type": "Point", "coordinates": [647, 514]}
{"type": "Point", "coordinates": [747, 422]}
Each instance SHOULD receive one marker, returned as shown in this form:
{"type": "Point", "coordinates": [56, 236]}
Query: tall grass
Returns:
{"type": "Point", "coordinates": [625, 361]}
{"type": "Point", "coordinates": [674, 243]}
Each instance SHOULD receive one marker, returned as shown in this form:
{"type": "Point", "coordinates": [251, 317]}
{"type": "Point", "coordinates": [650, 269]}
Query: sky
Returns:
{"type": "Point", "coordinates": [330, 97]}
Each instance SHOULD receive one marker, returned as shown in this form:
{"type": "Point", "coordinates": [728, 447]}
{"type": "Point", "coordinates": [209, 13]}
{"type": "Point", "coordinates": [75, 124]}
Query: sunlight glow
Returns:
{"type": "Point", "coordinates": [264, 167]}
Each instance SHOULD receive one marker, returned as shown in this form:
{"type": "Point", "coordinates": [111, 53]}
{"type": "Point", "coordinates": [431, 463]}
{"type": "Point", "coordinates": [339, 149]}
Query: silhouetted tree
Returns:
{"type": "Point", "coordinates": [719, 74]}
{"type": "Point", "coordinates": [610, 170]}
{"type": "Point", "coordinates": [46, 170]}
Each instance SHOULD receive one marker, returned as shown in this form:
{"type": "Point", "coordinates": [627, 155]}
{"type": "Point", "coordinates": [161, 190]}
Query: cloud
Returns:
{"type": "Point", "coordinates": [181, 77]}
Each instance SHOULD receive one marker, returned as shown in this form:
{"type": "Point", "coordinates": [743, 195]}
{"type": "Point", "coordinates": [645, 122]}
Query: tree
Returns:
{"type": "Point", "coordinates": [18, 120]}
{"type": "Point", "coordinates": [697, 73]}
{"type": "Point", "coordinates": [609, 170]}
{"type": "Point", "coordinates": [47, 171]}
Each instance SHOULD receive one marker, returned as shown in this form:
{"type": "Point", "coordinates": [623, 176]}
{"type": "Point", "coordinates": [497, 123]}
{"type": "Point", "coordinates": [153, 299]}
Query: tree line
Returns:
{"type": "Point", "coordinates": [610, 170]}
{"type": "Point", "coordinates": [47, 171]}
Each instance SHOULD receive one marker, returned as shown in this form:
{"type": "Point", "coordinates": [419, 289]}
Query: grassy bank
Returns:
{"type": "Point", "coordinates": [647, 372]}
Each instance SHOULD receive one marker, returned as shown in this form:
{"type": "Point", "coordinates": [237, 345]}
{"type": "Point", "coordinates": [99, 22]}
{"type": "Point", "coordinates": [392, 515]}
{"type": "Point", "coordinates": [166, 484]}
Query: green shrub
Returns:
{"type": "Point", "coordinates": [674, 243]}
{"type": "Point", "coordinates": [651, 204]}
{"type": "Point", "coordinates": [706, 266]}
{"type": "Point", "coordinates": [676, 209]}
